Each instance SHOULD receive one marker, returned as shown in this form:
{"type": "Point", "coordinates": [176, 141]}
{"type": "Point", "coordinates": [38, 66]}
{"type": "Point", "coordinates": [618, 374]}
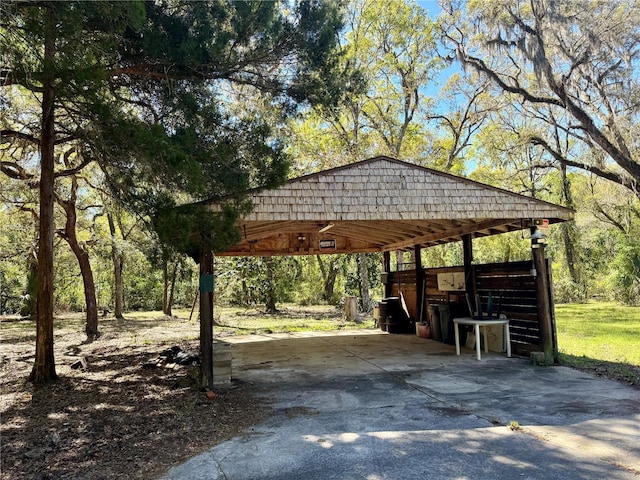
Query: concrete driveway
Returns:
{"type": "Point", "coordinates": [369, 405]}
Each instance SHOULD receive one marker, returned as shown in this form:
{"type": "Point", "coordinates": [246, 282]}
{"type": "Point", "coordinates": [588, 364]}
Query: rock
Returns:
{"type": "Point", "coordinates": [35, 453]}
{"type": "Point", "coordinates": [172, 357]}
{"type": "Point", "coordinates": [52, 439]}
{"type": "Point", "coordinates": [541, 359]}
{"type": "Point", "coordinates": [81, 364]}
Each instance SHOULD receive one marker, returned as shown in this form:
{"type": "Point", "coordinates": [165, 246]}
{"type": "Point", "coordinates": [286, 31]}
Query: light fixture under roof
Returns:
{"type": "Point", "coordinates": [326, 227]}
{"type": "Point", "coordinates": [537, 238]}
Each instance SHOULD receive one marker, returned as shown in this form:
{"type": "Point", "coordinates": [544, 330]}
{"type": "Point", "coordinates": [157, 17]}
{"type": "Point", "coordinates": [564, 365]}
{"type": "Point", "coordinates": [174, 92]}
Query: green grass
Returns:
{"type": "Point", "coordinates": [154, 328]}
{"type": "Point", "coordinates": [290, 318]}
{"type": "Point", "coordinates": [600, 337]}
{"type": "Point", "coordinates": [243, 321]}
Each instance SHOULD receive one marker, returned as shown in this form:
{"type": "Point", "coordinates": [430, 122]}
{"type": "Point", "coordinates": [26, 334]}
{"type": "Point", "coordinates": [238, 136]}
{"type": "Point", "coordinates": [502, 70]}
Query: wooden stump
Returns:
{"type": "Point", "coordinates": [351, 309]}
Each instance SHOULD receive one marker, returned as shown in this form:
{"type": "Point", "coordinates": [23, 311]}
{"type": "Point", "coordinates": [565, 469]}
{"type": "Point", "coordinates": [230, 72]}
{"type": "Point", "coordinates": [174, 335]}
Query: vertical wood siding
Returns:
{"type": "Point", "coordinates": [514, 281]}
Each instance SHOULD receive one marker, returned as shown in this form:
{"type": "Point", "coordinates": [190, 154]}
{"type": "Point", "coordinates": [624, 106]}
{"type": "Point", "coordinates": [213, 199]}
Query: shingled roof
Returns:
{"type": "Point", "coordinates": [381, 204]}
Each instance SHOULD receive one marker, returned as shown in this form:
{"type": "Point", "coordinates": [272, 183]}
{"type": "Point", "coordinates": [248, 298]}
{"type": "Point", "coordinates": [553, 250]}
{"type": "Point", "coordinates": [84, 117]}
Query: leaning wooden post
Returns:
{"type": "Point", "coordinates": [469, 272]}
{"type": "Point", "coordinates": [542, 300]}
{"type": "Point", "coordinates": [206, 317]}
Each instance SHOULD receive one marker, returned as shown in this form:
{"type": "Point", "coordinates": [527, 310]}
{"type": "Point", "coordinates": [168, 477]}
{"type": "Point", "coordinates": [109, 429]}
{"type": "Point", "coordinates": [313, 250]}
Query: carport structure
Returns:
{"type": "Point", "coordinates": [384, 205]}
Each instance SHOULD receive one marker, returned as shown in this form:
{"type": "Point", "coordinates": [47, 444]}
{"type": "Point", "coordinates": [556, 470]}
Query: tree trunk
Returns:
{"type": "Point", "coordinates": [351, 309]}
{"type": "Point", "coordinates": [89, 293]}
{"type": "Point", "coordinates": [118, 263]}
{"type": "Point", "coordinates": [330, 281]}
{"type": "Point", "coordinates": [28, 308]}
{"type": "Point", "coordinates": [165, 286]}
{"type": "Point", "coordinates": [363, 271]}
{"type": "Point", "coordinates": [206, 316]}
{"type": "Point", "coordinates": [172, 287]}
{"type": "Point", "coordinates": [245, 292]}
{"type": "Point", "coordinates": [44, 369]}
{"type": "Point", "coordinates": [82, 255]}
{"type": "Point", "coordinates": [270, 301]}
{"type": "Point", "coordinates": [568, 228]}
{"type": "Point", "coordinates": [329, 275]}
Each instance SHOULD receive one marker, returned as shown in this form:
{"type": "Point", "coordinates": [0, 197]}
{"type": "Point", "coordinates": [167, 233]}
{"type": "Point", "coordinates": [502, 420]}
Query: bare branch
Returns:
{"type": "Point", "coordinates": [608, 218]}
{"type": "Point", "coordinates": [8, 77]}
{"type": "Point", "coordinates": [19, 135]}
{"type": "Point", "coordinates": [609, 175]}
{"type": "Point", "coordinates": [15, 171]}
{"type": "Point", "coordinates": [73, 171]}
{"type": "Point", "coordinates": [482, 67]}
{"type": "Point", "coordinates": [63, 140]}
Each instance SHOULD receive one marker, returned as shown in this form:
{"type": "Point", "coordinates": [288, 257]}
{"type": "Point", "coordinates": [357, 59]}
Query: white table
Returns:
{"type": "Point", "coordinates": [476, 325]}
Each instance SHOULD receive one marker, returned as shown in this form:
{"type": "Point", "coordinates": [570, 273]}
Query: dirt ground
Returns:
{"type": "Point", "coordinates": [115, 418]}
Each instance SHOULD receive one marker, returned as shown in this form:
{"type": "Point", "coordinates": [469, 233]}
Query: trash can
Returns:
{"type": "Point", "coordinates": [446, 323]}
{"type": "Point", "coordinates": [434, 319]}
{"type": "Point", "coordinates": [382, 315]}
{"type": "Point", "coordinates": [395, 317]}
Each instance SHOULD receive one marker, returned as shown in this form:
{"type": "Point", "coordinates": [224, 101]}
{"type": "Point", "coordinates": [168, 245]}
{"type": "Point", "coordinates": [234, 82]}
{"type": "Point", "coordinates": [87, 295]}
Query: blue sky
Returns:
{"type": "Point", "coordinates": [431, 6]}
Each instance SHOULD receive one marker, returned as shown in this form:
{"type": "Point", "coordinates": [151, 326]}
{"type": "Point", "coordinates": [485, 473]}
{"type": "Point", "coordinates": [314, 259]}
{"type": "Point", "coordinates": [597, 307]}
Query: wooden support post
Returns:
{"type": "Point", "coordinates": [543, 301]}
{"type": "Point", "coordinates": [386, 261]}
{"type": "Point", "coordinates": [420, 316]}
{"type": "Point", "coordinates": [206, 318]}
{"type": "Point", "coordinates": [386, 265]}
{"type": "Point", "coordinates": [469, 270]}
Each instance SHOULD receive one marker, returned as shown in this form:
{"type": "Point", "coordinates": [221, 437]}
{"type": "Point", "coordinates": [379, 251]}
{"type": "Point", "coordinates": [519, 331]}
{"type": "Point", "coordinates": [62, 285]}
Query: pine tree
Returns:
{"type": "Point", "coordinates": [142, 89]}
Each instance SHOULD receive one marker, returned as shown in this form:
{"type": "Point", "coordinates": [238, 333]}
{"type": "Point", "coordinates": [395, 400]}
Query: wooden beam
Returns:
{"type": "Point", "coordinates": [288, 244]}
{"type": "Point", "coordinates": [420, 300]}
{"type": "Point", "coordinates": [370, 230]}
{"type": "Point", "coordinates": [543, 301]}
{"type": "Point", "coordinates": [264, 230]}
{"type": "Point", "coordinates": [206, 317]}
{"type": "Point", "coordinates": [450, 234]}
{"type": "Point", "coordinates": [469, 270]}
{"type": "Point", "coordinates": [363, 234]}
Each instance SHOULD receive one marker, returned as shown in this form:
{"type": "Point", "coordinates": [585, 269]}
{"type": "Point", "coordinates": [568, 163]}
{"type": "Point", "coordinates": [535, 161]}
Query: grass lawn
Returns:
{"type": "Point", "coordinates": [290, 318]}
{"type": "Point", "coordinates": [601, 337]}
{"type": "Point", "coordinates": [243, 321]}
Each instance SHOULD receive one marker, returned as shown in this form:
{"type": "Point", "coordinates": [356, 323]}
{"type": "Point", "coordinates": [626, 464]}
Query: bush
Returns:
{"type": "Point", "coordinates": [568, 291]}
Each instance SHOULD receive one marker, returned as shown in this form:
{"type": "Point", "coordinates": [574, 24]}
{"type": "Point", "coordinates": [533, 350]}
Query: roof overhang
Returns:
{"type": "Point", "coordinates": [380, 204]}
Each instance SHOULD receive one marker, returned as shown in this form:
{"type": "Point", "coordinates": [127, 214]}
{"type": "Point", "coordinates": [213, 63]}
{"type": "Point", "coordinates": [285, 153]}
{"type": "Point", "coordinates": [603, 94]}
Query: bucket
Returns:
{"type": "Point", "coordinates": [423, 330]}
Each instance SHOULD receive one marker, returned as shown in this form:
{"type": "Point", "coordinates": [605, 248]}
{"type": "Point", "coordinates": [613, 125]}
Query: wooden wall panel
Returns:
{"type": "Point", "coordinates": [512, 283]}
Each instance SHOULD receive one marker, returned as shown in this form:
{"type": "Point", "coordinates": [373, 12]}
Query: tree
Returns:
{"type": "Point", "coordinates": [81, 252]}
{"type": "Point", "coordinates": [18, 252]}
{"type": "Point", "coordinates": [469, 108]}
{"type": "Point", "coordinates": [573, 59]}
{"type": "Point", "coordinates": [395, 44]}
{"type": "Point", "coordinates": [42, 44]}
{"type": "Point", "coordinates": [17, 255]}
{"type": "Point", "coordinates": [119, 233]}
{"type": "Point", "coordinates": [137, 87]}
{"type": "Point", "coordinates": [508, 158]}
{"type": "Point", "coordinates": [392, 45]}
{"type": "Point", "coordinates": [329, 268]}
